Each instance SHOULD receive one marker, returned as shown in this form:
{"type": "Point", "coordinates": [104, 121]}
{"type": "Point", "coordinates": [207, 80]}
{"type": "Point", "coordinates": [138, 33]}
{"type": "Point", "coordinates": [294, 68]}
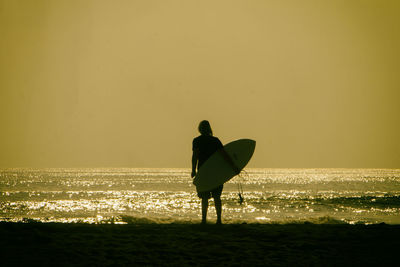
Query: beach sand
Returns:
{"type": "Point", "coordinates": [58, 244]}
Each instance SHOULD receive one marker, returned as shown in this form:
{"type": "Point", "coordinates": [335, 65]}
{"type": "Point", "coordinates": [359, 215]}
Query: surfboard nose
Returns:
{"type": "Point", "coordinates": [250, 143]}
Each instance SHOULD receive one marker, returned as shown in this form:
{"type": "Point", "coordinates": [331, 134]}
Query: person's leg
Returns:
{"type": "Point", "coordinates": [216, 194]}
{"type": "Point", "coordinates": [218, 208]}
{"type": "Point", "coordinates": [204, 208]}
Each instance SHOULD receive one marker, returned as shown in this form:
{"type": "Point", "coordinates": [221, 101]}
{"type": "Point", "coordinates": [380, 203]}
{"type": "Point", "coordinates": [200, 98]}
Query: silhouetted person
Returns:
{"type": "Point", "coordinates": [203, 147]}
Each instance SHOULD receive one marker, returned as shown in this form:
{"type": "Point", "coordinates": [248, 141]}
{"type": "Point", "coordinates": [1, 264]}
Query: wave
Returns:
{"type": "Point", "coordinates": [124, 219]}
{"type": "Point", "coordinates": [135, 220]}
{"type": "Point", "coordinates": [372, 200]}
{"type": "Point", "coordinates": [259, 220]}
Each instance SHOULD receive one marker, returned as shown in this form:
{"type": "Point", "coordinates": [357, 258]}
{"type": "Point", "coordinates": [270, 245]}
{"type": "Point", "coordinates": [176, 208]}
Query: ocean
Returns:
{"type": "Point", "coordinates": [133, 195]}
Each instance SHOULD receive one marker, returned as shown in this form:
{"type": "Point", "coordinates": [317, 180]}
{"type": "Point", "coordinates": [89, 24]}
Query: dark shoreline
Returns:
{"type": "Point", "coordinates": [58, 244]}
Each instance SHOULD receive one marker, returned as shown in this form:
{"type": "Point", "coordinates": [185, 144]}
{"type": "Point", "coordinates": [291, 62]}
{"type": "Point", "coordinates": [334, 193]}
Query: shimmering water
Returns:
{"type": "Point", "coordinates": [167, 195]}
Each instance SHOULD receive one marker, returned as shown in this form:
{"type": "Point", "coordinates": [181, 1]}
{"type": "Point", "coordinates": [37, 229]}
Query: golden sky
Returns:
{"type": "Point", "coordinates": [125, 83]}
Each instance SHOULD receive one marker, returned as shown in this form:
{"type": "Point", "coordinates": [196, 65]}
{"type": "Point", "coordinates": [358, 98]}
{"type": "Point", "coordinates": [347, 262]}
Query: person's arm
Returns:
{"type": "Point", "coordinates": [195, 159]}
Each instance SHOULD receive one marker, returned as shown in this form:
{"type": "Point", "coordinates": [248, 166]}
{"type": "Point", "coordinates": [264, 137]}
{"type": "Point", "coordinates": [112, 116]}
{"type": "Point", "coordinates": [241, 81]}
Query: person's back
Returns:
{"type": "Point", "coordinates": [206, 145]}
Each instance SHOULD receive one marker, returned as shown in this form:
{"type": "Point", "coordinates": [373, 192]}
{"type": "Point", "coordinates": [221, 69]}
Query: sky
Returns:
{"type": "Point", "coordinates": [125, 83]}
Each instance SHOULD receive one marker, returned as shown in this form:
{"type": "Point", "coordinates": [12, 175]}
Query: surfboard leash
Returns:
{"type": "Point", "coordinates": [241, 175]}
{"type": "Point", "coordinates": [241, 197]}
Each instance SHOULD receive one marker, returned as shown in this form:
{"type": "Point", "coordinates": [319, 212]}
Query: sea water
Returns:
{"type": "Point", "coordinates": [168, 196]}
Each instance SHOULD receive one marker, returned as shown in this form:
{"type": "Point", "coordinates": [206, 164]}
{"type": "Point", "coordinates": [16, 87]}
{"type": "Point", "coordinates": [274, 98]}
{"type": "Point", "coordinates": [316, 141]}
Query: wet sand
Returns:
{"type": "Point", "coordinates": [57, 244]}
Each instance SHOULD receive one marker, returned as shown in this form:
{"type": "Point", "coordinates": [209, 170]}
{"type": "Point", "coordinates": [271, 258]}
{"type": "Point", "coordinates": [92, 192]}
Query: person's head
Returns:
{"type": "Point", "coordinates": [205, 128]}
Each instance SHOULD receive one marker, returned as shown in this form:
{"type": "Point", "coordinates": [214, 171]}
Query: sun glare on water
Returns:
{"type": "Point", "coordinates": [167, 195]}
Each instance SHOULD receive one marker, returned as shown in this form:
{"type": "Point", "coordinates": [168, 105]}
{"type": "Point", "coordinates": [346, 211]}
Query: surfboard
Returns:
{"type": "Point", "coordinates": [217, 170]}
